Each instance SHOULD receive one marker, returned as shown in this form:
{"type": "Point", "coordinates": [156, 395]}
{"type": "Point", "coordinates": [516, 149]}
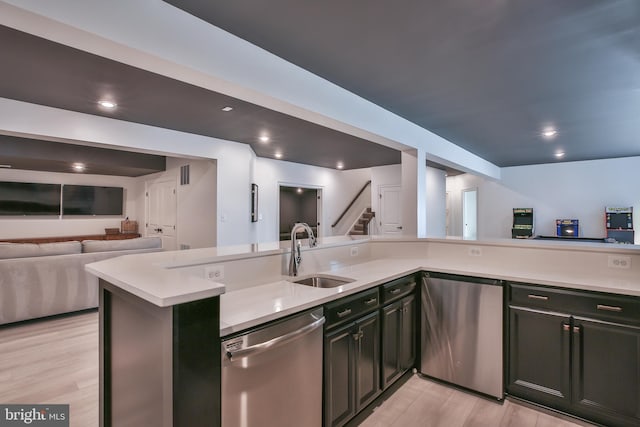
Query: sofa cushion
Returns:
{"type": "Point", "coordinates": [121, 245]}
{"type": "Point", "coordinates": [26, 250]}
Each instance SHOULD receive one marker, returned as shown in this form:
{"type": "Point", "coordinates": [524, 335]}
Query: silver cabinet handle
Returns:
{"type": "Point", "coordinates": [371, 301]}
{"type": "Point", "coordinates": [539, 297]}
{"type": "Point", "coordinates": [394, 291]}
{"type": "Point", "coordinates": [257, 348]}
{"type": "Point", "coordinates": [609, 308]}
{"type": "Point", "coordinates": [345, 312]}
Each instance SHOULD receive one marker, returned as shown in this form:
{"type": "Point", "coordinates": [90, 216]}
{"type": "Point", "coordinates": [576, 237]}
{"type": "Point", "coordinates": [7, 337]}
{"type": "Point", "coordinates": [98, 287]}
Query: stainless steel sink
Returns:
{"type": "Point", "coordinates": [323, 281]}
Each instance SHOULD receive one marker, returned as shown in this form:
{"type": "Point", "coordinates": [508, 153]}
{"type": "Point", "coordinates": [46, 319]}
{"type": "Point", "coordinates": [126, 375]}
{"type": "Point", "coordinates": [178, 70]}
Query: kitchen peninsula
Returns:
{"type": "Point", "coordinates": [179, 304]}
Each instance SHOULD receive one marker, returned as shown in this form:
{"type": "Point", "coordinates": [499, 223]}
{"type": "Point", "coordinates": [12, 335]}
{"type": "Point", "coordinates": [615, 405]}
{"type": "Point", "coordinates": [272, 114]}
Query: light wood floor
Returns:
{"type": "Point", "coordinates": [53, 361]}
{"type": "Point", "coordinates": [56, 361]}
{"type": "Point", "coordinates": [423, 403]}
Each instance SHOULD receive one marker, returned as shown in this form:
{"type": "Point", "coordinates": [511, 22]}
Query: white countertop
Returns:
{"type": "Point", "coordinates": [158, 278]}
{"type": "Point", "coordinates": [259, 304]}
{"type": "Point", "coordinates": [256, 305]}
{"type": "Point", "coordinates": [141, 276]}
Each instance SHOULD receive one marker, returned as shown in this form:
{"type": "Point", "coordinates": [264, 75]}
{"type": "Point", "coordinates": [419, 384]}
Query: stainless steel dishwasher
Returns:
{"type": "Point", "coordinates": [462, 341]}
{"type": "Point", "coordinates": [272, 376]}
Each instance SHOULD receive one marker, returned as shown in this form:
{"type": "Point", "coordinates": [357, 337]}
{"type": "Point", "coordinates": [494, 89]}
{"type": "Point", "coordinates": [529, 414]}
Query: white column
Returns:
{"type": "Point", "coordinates": [436, 185]}
{"type": "Point", "coordinates": [414, 205]}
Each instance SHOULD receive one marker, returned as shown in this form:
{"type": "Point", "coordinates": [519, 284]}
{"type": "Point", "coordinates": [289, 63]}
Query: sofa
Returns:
{"type": "Point", "coordinates": [40, 280]}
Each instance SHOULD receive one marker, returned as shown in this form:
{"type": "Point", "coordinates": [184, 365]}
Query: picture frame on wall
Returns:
{"type": "Point", "coordinates": [254, 202]}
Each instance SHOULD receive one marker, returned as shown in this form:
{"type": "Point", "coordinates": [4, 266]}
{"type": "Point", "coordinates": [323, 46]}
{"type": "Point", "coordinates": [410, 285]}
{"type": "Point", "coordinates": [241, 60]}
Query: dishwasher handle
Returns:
{"type": "Point", "coordinates": [277, 341]}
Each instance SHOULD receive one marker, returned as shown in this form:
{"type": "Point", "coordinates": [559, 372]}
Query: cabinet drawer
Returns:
{"type": "Point", "coordinates": [592, 304]}
{"type": "Point", "coordinates": [347, 308]}
{"type": "Point", "coordinates": [540, 297]}
{"type": "Point", "coordinates": [398, 288]}
{"type": "Point", "coordinates": [609, 307]}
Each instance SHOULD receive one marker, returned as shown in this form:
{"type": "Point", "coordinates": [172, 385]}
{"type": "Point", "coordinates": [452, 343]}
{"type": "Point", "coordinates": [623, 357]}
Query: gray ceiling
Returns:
{"type": "Point", "coordinates": [31, 154]}
{"type": "Point", "coordinates": [42, 72]}
{"type": "Point", "coordinates": [486, 75]}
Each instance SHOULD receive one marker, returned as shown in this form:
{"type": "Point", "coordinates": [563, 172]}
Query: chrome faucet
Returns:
{"type": "Point", "coordinates": [296, 256]}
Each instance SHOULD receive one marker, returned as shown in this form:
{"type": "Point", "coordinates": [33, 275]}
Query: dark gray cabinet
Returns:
{"type": "Point", "coordinates": [351, 356]}
{"type": "Point", "coordinates": [398, 339]}
{"type": "Point", "coordinates": [339, 375]}
{"type": "Point", "coordinates": [578, 352]}
{"type": "Point", "coordinates": [539, 357]}
{"type": "Point", "coordinates": [367, 359]}
{"type": "Point", "coordinates": [606, 371]}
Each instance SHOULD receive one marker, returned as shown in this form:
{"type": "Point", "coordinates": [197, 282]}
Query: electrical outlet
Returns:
{"type": "Point", "coordinates": [617, 261]}
{"type": "Point", "coordinates": [475, 251]}
{"type": "Point", "coordinates": [354, 251]}
{"type": "Point", "coordinates": [215, 273]}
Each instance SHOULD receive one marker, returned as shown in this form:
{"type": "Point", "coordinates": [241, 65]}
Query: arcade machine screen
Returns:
{"type": "Point", "coordinates": [567, 228]}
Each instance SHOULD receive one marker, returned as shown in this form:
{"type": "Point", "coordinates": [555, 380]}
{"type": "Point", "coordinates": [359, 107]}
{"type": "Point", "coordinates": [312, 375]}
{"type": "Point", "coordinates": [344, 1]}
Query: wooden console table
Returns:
{"type": "Point", "coordinates": [119, 236]}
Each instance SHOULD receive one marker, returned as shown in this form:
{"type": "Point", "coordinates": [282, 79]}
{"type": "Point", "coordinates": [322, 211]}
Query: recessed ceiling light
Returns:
{"type": "Point", "coordinates": [299, 190]}
{"type": "Point", "coordinates": [559, 154]}
{"type": "Point", "coordinates": [340, 165]}
{"type": "Point", "coordinates": [278, 155]}
{"type": "Point", "coordinates": [227, 108]}
{"type": "Point", "coordinates": [5, 166]}
{"type": "Point", "coordinates": [107, 104]}
{"type": "Point", "coordinates": [549, 132]}
{"type": "Point", "coordinates": [264, 138]}
{"type": "Point", "coordinates": [78, 167]}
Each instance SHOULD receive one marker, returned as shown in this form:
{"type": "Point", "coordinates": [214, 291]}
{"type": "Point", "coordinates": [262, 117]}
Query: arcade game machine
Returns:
{"type": "Point", "coordinates": [619, 224]}
{"type": "Point", "coordinates": [522, 223]}
{"type": "Point", "coordinates": [567, 228]}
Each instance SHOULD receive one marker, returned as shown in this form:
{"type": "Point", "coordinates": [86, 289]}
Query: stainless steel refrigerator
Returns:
{"type": "Point", "coordinates": [462, 332]}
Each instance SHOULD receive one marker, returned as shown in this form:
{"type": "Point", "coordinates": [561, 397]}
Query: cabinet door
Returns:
{"type": "Point", "coordinates": [606, 372]}
{"type": "Point", "coordinates": [539, 346]}
{"type": "Point", "coordinates": [339, 391]}
{"type": "Point", "coordinates": [367, 359]}
{"type": "Point", "coordinates": [391, 342]}
{"type": "Point", "coordinates": [408, 334]}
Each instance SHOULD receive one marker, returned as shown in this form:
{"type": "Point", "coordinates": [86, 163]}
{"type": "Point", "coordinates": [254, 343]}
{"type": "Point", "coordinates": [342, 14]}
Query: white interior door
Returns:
{"type": "Point", "coordinates": [447, 207]}
{"type": "Point", "coordinates": [162, 212]}
{"type": "Point", "coordinates": [390, 209]}
{"type": "Point", "coordinates": [470, 214]}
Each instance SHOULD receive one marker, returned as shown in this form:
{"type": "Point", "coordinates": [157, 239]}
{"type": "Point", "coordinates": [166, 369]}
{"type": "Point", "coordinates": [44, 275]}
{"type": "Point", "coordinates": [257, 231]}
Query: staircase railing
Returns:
{"type": "Point", "coordinates": [351, 204]}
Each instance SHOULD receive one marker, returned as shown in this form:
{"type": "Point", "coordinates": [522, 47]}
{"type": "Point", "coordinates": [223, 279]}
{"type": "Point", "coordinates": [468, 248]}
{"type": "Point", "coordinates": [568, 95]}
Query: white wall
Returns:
{"type": "Point", "coordinates": [436, 198]}
{"type": "Point", "coordinates": [196, 223]}
{"type": "Point", "coordinates": [338, 188]}
{"type": "Point", "coordinates": [25, 227]}
{"type": "Point", "coordinates": [557, 190]}
{"type": "Point", "coordinates": [234, 160]}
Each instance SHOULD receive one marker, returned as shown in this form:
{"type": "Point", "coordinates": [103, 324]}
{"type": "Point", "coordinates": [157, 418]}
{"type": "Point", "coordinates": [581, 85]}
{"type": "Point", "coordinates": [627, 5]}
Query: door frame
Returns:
{"type": "Point", "coordinates": [319, 205]}
{"type": "Point", "coordinates": [462, 201]}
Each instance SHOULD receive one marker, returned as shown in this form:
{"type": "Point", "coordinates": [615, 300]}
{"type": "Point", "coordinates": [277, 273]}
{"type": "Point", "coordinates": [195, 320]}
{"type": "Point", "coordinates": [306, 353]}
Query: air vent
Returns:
{"type": "Point", "coordinates": [184, 175]}
{"type": "Point", "coordinates": [184, 247]}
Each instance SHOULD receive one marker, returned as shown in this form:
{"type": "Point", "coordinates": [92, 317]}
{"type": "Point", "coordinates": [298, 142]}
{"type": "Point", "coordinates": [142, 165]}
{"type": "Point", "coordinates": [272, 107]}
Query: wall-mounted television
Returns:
{"type": "Point", "coordinates": [92, 200]}
{"type": "Point", "coordinates": [26, 198]}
